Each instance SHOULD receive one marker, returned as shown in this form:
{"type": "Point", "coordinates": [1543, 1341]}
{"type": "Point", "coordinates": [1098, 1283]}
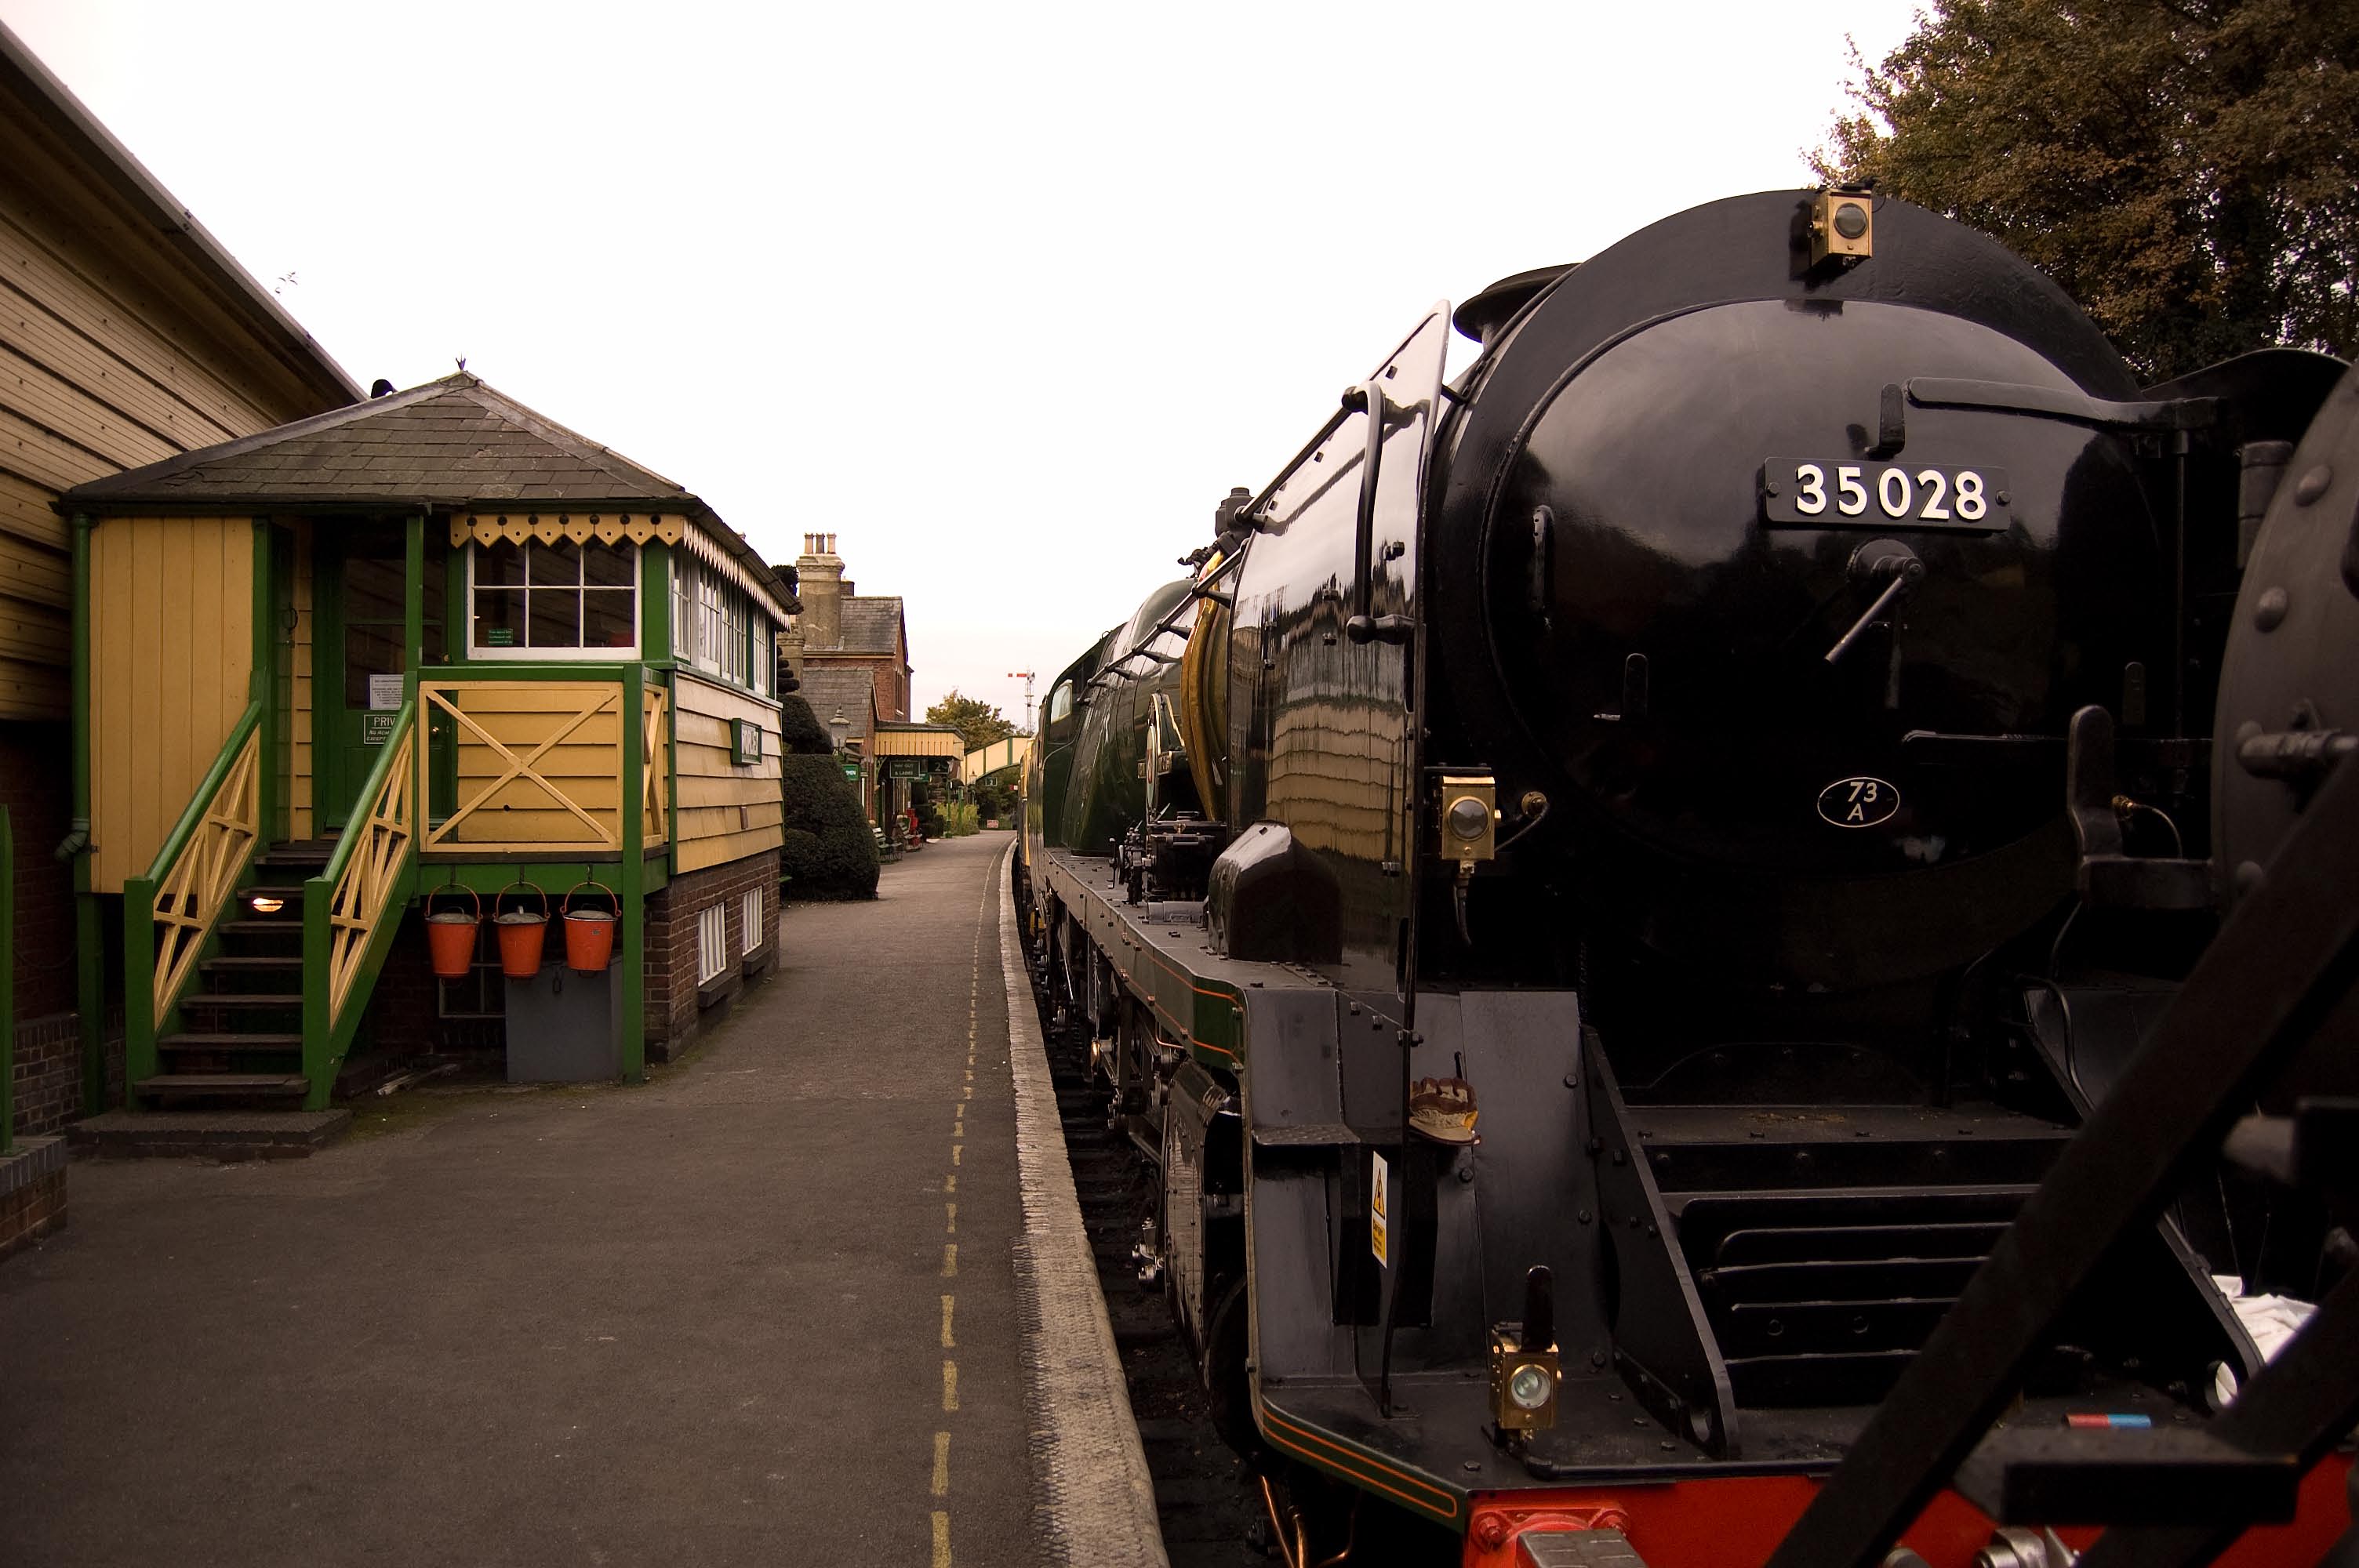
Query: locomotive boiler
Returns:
{"type": "Point", "coordinates": [1619, 872]}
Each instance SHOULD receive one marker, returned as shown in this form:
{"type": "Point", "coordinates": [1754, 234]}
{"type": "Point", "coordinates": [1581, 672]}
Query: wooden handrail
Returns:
{"type": "Point", "coordinates": [348, 845]}
{"type": "Point", "coordinates": [194, 813]}
{"type": "Point", "coordinates": [200, 864]}
{"type": "Point", "coordinates": [344, 927]}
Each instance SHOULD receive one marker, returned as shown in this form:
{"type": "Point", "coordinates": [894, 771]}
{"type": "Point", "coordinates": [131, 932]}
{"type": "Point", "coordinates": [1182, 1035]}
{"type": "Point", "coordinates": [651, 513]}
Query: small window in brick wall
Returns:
{"type": "Point", "coordinates": [711, 942]}
{"type": "Point", "coordinates": [752, 921]}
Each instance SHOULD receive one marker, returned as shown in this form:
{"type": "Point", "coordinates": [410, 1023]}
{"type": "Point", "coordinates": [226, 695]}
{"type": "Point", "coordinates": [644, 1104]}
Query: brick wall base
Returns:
{"type": "Point", "coordinates": [49, 1070]}
{"type": "Point", "coordinates": [36, 778]}
{"type": "Point", "coordinates": [677, 1006]}
{"type": "Point", "coordinates": [403, 1025]}
{"type": "Point", "coordinates": [32, 1192]}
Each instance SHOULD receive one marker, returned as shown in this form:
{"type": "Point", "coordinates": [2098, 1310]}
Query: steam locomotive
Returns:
{"type": "Point", "coordinates": [1617, 876]}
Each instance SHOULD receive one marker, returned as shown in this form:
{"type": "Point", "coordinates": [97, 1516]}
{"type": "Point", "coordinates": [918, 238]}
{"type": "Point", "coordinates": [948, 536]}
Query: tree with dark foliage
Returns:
{"type": "Point", "coordinates": [978, 722]}
{"type": "Point", "coordinates": [2187, 169]}
{"type": "Point", "coordinates": [829, 852]}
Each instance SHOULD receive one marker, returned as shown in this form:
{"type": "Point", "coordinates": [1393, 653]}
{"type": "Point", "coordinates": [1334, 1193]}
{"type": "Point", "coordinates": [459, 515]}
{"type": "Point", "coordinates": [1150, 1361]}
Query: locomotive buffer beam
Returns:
{"type": "Point", "coordinates": [2127, 1474]}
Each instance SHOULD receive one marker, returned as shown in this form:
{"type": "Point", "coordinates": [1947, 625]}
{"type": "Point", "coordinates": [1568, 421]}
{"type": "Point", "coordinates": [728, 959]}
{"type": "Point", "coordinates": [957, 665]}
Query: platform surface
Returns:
{"type": "Point", "coordinates": [697, 1322]}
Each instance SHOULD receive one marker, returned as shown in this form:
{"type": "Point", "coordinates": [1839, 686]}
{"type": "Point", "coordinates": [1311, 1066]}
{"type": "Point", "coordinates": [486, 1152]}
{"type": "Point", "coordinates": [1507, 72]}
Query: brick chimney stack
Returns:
{"type": "Point", "coordinates": [820, 572]}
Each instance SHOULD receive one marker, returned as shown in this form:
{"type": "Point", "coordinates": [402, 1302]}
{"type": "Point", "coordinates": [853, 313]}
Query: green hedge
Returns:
{"type": "Point", "coordinates": [829, 852]}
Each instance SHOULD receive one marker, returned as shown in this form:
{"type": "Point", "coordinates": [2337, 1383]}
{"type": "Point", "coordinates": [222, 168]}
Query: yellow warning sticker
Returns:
{"type": "Point", "coordinates": [1379, 1200]}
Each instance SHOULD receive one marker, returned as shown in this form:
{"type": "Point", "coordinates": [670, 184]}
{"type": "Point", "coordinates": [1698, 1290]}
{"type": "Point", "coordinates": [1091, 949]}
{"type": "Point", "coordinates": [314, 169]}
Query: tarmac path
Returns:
{"type": "Point", "coordinates": [717, 1319]}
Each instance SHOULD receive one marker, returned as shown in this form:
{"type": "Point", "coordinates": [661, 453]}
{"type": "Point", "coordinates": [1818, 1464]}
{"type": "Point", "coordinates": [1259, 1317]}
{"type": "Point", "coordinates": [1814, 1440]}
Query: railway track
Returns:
{"type": "Point", "coordinates": [1211, 1517]}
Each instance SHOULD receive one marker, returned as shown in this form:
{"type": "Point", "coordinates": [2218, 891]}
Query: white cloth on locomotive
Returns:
{"type": "Point", "coordinates": [2272, 1321]}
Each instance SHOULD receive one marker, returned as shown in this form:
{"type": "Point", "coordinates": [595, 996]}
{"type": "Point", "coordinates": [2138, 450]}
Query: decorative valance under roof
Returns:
{"type": "Point", "coordinates": [613, 528]}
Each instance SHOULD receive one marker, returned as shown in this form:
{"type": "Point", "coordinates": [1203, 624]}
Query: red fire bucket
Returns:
{"type": "Point", "coordinates": [451, 935]}
{"type": "Point", "coordinates": [590, 932]}
{"type": "Point", "coordinates": [521, 935]}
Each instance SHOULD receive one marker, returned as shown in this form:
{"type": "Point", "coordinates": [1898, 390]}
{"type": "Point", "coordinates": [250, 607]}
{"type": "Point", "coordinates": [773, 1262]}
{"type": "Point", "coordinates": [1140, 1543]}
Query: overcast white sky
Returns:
{"type": "Point", "coordinates": [1004, 296]}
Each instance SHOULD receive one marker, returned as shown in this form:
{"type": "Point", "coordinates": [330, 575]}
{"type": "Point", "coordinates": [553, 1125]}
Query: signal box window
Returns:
{"type": "Point", "coordinates": [553, 601]}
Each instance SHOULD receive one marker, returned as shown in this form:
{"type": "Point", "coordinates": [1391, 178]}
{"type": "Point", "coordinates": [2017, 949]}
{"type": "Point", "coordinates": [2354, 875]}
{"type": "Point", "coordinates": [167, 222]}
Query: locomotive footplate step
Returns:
{"type": "Point", "coordinates": [2125, 1475]}
{"type": "Point", "coordinates": [1576, 1549]}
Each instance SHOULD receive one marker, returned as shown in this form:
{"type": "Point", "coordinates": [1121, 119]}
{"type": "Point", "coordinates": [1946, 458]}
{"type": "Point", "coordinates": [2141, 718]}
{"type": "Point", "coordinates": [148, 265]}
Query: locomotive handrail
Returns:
{"type": "Point", "coordinates": [1167, 626]}
{"type": "Point", "coordinates": [1360, 627]}
{"type": "Point", "coordinates": [1250, 513]}
{"type": "Point", "coordinates": [2058, 403]}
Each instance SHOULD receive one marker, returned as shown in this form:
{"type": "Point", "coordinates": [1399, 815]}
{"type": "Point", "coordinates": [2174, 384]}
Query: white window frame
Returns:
{"type": "Point", "coordinates": [712, 943]}
{"type": "Point", "coordinates": [751, 909]}
{"type": "Point", "coordinates": [553, 655]}
{"type": "Point", "coordinates": [718, 629]}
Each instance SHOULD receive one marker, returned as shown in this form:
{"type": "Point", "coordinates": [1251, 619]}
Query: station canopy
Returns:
{"type": "Point", "coordinates": [918, 741]}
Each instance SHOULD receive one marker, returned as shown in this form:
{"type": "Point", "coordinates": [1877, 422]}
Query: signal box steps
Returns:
{"type": "Point", "coordinates": [229, 1041]}
{"type": "Point", "coordinates": [240, 1045]}
{"type": "Point", "coordinates": [216, 1085]}
{"type": "Point", "coordinates": [210, 1134]}
{"type": "Point", "coordinates": [305, 856]}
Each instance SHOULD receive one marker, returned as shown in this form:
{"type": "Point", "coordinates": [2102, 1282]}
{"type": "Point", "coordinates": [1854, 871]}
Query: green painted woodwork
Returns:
{"type": "Point", "coordinates": [7, 984]}
{"type": "Point", "coordinates": [413, 608]}
{"type": "Point", "coordinates": [90, 948]}
{"type": "Point", "coordinates": [319, 1027]}
{"type": "Point", "coordinates": [138, 985]}
{"type": "Point", "coordinates": [90, 996]}
{"type": "Point", "coordinates": [456, 613]}
{"type": "Point", "coordinates": [326, 1036]}
{"type": "Point", "coordinates": [551, 670]}
{"type": "Point", "coordinates": [82, 694]}
{"type": "Point", "coordinates": [655, 602]}
{"type": "Point", "coordinates": [486, 875]}
{"type": "Point", "coordinates": [350, 573]}
{"type": "Point", "coordinates": [670, 683]}
{"type": "Point", "coordinates": [632, 877]}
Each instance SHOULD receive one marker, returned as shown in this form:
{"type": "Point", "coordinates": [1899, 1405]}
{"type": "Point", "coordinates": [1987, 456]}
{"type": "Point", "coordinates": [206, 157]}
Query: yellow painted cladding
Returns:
{"type": "Point", "coordinates": [724, 811]}
{"type": "Point", "coordinates": [539, 766]}
{"type": "Point", "coordinates": [171, 645]}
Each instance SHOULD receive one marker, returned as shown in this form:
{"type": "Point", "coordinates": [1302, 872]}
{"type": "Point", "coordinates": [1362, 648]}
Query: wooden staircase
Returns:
{"type": "Point", "coordinates": [243, 1043]}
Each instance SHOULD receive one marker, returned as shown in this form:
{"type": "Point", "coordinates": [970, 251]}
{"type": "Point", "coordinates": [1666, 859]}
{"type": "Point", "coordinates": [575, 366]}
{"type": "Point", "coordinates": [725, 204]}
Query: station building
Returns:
{"type": "Point", "coordinates": [851, 653]}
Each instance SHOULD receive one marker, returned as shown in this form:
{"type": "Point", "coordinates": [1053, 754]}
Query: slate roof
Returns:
{"type": "Point", "coordinates": [851, 687]}
{"type": "Point", "coordinates": [451, 445]}
{"type": "Point", "coordinates": [870, 623]}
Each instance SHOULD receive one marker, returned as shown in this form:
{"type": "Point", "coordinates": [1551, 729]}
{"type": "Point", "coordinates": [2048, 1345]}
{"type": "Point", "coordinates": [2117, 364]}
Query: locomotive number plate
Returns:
{"type": "Point", "coordinates": [1809, 493]}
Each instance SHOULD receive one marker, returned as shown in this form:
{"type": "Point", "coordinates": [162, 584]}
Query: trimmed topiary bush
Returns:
{"type": "Point", "coordinates": [799, 731]}
{"type": "Point", "coordinates": [829, 852]}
